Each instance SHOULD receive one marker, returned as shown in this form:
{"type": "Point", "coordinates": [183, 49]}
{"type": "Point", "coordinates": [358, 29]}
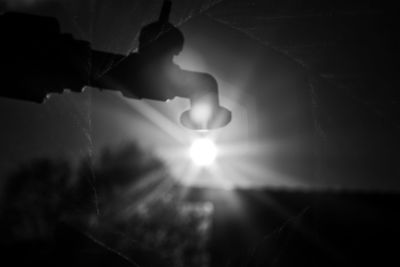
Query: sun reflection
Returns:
{"type": "Point", "coordinates": [203, 151]}
{"type": "Point", "coordinates": [201, 159]}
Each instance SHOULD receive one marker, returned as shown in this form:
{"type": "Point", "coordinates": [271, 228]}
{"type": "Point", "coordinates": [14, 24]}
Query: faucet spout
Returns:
{"type": "Point", "coordinates": [205, 112]}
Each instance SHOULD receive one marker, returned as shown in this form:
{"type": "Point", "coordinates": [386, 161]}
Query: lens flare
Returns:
{"type": "Point", "coordinates": [203, 152]}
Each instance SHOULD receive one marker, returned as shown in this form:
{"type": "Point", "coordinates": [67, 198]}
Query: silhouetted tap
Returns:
{"type": "Point", "coordinates": [150, 73]}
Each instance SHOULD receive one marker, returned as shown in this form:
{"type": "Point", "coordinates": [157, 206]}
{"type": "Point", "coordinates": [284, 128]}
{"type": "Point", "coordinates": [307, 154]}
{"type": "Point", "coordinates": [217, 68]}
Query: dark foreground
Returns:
{"type": "Point", "coordinates": [255, 228]}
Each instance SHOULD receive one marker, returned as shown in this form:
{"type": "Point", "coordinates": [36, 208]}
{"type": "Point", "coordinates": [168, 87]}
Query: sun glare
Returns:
{"type": "Point", "coordinates": [203, 152]}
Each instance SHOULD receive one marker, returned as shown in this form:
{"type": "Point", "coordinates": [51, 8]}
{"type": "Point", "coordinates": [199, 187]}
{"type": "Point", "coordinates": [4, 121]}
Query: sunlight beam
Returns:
{"type": "Point", "coordinates": [203, 152]}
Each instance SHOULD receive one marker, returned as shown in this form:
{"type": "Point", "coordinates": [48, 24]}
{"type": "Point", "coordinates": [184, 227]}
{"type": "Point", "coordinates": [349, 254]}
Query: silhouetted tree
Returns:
{"type": "Point", "coordinates": [124, 200]}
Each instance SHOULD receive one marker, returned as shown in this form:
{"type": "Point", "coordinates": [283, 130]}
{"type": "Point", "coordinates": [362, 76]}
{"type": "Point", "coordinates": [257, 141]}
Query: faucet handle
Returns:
{"type": "Point", "coordinates": [165, 11]}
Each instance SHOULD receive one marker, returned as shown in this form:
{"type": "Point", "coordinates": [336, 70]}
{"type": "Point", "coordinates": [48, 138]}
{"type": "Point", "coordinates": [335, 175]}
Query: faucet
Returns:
{"type": "Point", "coordinates": [37, 60]}
{"type": "Point", "coordinates": [150, 73]}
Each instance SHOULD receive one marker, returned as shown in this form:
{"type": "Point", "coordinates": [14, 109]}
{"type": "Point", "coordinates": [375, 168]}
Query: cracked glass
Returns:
{"type": "Point", "coordinates": [96, 177]}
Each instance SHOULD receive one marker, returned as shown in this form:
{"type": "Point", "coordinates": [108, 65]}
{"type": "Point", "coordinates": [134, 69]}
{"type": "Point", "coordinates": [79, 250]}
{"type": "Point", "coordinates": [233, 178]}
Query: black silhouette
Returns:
{"type": "Point", "coordinates": [36, 59]}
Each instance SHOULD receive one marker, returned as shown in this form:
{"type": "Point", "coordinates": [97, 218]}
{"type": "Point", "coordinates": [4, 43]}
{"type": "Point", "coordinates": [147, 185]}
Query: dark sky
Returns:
{"type": "Point", "coordinates": [311, 87]}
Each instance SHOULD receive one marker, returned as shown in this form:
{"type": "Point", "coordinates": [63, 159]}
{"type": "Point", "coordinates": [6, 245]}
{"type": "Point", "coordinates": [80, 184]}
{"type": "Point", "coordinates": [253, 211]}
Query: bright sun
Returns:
{"type": "Point", "coordinates": [203, 152]}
